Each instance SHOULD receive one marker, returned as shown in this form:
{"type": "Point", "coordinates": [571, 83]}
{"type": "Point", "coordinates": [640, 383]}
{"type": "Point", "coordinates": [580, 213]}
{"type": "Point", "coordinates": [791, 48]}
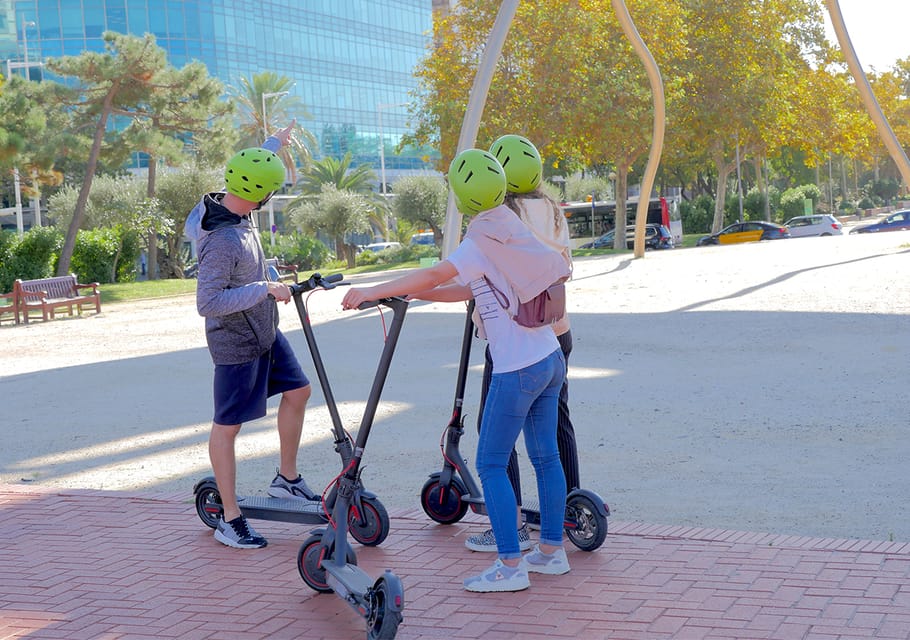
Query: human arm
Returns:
{"type": "Point", "coordinates": [421, 280]}
{"type": "Point", "coordinates": [444, 293]}
{"type": "Point", "coordinates": [281, 138]}
{"type": "Point", "coordinates": [216, 293]}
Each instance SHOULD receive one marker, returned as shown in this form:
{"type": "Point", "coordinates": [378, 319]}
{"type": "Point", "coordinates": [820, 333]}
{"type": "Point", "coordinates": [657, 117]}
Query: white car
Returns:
{"type": "Point", "coordinates": [381, 246]}
{"type": "Point", "coordinates": [815, 225]}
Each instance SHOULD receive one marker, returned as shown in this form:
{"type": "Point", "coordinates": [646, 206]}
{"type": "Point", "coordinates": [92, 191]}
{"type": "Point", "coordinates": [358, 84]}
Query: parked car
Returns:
{"type": "Point", "coordinates": [820, 224]}
{"type": "Point", "coordinates": [425, 238]}
{"type": "Point", "coordinates": [381, 246]}
{"type": "Point", "coordinates": [897, 221]}
{"type": "Point", "coordinates": [751, 231]}
{"type": "Point", "coordinates": [657, 236]}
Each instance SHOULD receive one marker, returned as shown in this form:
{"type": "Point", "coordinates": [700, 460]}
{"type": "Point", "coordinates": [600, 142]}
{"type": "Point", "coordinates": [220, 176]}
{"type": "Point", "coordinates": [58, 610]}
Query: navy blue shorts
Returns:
{"type": "Point", "coordinates": [241, 390]}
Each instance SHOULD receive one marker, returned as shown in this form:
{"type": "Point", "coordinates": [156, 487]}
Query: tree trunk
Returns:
{"type": "Point", "coordinates": [619, 218]}
{"type": "Point", "coordinates": [66, 253]}
{"type": "Point", "coordinates": [724, 169]}
{"type": "Point", "coordinates": [759, 163]}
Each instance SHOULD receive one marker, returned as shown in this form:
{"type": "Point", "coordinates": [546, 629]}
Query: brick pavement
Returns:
{"type": "Point", "coordinates": [79, 564]}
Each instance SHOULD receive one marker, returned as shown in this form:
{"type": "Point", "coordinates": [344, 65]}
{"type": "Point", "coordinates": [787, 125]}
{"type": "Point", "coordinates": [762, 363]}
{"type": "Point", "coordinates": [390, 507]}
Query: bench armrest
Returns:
{"type": "Point", "coordinates": [92, 285]}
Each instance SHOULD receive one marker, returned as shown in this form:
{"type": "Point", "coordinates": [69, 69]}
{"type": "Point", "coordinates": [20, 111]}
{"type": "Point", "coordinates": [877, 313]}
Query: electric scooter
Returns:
{"type": "Point", "coordinates": [448, 494]}
{"type": "Point", "coordinates": [326, 561]}
{"type": "Point", "coordinates": [367, 520]}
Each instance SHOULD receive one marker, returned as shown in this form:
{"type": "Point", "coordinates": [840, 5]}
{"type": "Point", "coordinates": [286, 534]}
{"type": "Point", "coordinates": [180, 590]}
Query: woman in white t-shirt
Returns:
{"type": "Point", "coordinates": [524, 170]}
{"type": "Point", "coordinates": [528, 365]}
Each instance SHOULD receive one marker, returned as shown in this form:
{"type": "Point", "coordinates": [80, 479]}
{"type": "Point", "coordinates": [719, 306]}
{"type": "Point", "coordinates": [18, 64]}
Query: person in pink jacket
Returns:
{"type": "Point", "coordinates": [499, 252]}
{"type": "Point", "coordinates": [541, 214]}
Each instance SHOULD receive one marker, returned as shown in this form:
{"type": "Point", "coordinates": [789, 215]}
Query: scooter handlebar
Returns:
{"type": "Point", "coordinates": [388, 302]}
{"type": "Point", "coordinates": [316, 281]}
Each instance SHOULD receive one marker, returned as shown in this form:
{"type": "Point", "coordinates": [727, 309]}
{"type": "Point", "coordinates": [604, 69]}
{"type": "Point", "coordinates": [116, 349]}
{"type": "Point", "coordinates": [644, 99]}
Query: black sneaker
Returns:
{"type": "Point", "coordinates": [239, 534]}
{"type": "Point", "coordinates": [297, 489]}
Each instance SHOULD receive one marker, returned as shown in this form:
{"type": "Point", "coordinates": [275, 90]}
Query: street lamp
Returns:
{"type": "Point", "coordinates": [265, 134]}
{"type": "Point", "coordinates": [25, 25]}
{"type": "Point", "coordinates": [379, 108]}
{"type": "Point", "coordinates": [10, 65]}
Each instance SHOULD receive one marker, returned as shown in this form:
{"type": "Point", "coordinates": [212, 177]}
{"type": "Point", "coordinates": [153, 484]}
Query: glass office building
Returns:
{"type": "Point", "coordinates": [351, 60]}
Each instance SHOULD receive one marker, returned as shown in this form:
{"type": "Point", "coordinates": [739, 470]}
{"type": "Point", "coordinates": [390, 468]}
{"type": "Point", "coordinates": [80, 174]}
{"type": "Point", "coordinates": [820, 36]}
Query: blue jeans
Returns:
{"type": "Point", "coordinates": [523, 401]}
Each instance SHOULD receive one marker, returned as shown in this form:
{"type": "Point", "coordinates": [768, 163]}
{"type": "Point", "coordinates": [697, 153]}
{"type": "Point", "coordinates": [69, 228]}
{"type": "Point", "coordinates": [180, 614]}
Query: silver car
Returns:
{"type": "Point", "coordinates": [816, 225]}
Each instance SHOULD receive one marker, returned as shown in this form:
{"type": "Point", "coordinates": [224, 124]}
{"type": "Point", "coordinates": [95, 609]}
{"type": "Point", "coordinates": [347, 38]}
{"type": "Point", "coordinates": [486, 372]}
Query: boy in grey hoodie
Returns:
{"type": "Point", "coordinates": [252, 359]}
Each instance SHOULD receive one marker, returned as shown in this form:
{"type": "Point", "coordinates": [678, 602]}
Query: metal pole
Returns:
{"type": "Point", "coordinates": [467, 138]}
{"type": "Point", "coordinates": [381, 156]}
{"type": "Point", "coordinates": [19, 225]}
{"type": "Point", "coordinates": [25, 26]}
{"type": "Point", "coordinates": [892, 144]}
{"type": "Point", "coordinates": [265, 134]}
{"type": "Point", "coordinates": [657, 136]}
{"type": "Point", "coordinates": [36, 202]}
{"type": "Point", "coordinates": [379, 108]}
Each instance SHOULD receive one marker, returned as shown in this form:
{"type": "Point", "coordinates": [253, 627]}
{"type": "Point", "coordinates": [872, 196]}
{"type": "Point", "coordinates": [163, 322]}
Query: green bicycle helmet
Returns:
{"type": "Point", "coordinates": [254, 174]}
{"type": "Point", "coordinates": [477, 180]}
{"type": "Point", "coordinates": [521, 162]}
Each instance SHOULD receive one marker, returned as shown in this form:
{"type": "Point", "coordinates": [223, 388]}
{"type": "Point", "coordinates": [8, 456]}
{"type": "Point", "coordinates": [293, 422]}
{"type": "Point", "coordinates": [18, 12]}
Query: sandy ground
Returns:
{"type": "Point", "coordinates": [757, 387]}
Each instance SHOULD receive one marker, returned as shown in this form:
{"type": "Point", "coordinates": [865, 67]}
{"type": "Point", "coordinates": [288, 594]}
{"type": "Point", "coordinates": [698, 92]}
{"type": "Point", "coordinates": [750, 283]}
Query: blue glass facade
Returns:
{"type": "Point", "coordinates": [346, 57]}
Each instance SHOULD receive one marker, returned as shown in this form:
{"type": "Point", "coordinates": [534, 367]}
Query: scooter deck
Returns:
{"type": "Point", "coordinates": [282, 509]}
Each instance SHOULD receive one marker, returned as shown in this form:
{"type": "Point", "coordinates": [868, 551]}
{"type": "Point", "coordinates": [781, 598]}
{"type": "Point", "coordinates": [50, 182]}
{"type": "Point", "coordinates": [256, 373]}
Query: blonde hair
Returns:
{"type": "Point", "coordinates": [514, 201]}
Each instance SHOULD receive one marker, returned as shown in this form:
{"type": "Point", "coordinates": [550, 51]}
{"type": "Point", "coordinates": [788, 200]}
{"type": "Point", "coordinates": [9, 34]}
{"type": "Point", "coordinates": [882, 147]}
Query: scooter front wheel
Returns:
{"type": "Point", "coordinates": [444, 504]}
{"type": "Point", "coordinates": [208, 502]}
{"type": "Point", "coordinates": [386, 600]}
{"type": "Point", "coordinates": [585, 525]}
{"type": "Point", "coordinates": [369, 526]}
{"type": "Point", "coordinates": [309, 561]}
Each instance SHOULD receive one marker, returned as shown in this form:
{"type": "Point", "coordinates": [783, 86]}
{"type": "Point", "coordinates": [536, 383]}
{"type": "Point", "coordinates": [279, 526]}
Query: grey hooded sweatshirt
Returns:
{"type": "Point", "coordinates": [241, 319]}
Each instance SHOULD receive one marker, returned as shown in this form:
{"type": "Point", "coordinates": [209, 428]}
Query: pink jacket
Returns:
{"type": "Point", "coordinates": [528, 264]}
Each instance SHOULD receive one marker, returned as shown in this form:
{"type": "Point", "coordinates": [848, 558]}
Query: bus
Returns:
{"type": "Point", "coordinates": [590, 220]}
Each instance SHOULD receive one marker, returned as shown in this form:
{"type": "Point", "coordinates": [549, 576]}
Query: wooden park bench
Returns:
{"type": "Point", "coordinates": [286, 272]}
{"type": "Point", "coordinates": [9, 306]}
{"type": "Point", "coordinates": [49, 294]}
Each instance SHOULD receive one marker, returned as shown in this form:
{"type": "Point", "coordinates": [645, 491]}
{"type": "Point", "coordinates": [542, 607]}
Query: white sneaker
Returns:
{"type": "Point", "coordinates": [499, 577]}
{"type": "Point", "coordinates": [553, 564]}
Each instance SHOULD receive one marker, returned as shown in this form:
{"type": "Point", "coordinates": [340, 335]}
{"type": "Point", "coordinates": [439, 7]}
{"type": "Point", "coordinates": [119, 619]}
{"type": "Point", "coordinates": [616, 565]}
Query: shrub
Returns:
{"type": "Point", "coordinates": [397, 256]}
{"type": "Point", "coordinates": [94, 254]}
{"type": "Point", "coordinates": [34, 255]}
{"type": "Point", "coordinates": [791, 200]}
{"type": "Point", "coordinates": [305, 251]}
{"type": "Point", "coordinates": [697, 215]}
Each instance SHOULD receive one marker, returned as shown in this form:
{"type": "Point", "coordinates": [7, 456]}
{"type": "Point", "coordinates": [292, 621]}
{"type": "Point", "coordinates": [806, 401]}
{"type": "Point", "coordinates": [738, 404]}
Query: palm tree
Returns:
{"type": "Point", "coordinates": [280, 107]}
{"type": "Point", "coordinates": [341, 177]}
{"type": "Point", "coordinates": [339, 173]}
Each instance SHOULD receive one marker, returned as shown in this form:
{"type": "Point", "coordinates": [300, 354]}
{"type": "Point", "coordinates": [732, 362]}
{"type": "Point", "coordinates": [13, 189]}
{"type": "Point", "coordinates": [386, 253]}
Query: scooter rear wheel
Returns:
{"type": "Point", "coordinates": [444, 504]}
{"type": "Point", "coordinates": [585, 527]}
{"type": "Point", "coordinates": [371, 527]}
{"type": "Point", "coordinates": [309, 559]}
{"type": "Point", "coordinates": [208, 503]}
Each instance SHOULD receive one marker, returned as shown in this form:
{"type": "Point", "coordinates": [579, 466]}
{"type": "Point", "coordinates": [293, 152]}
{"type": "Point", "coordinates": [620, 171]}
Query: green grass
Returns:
{"type": "Point", "coordinates": [148, 289]}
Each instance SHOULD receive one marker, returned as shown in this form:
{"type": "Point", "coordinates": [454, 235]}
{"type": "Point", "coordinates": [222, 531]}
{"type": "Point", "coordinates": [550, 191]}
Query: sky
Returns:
{"type": "Point", "coordinates": [878, 30]}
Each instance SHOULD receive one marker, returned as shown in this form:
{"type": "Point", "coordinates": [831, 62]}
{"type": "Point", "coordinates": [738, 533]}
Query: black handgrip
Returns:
{"type": "Point", "coordinates": [369, 304]}
{"type": "Point", "coordinates": [315, 281]}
